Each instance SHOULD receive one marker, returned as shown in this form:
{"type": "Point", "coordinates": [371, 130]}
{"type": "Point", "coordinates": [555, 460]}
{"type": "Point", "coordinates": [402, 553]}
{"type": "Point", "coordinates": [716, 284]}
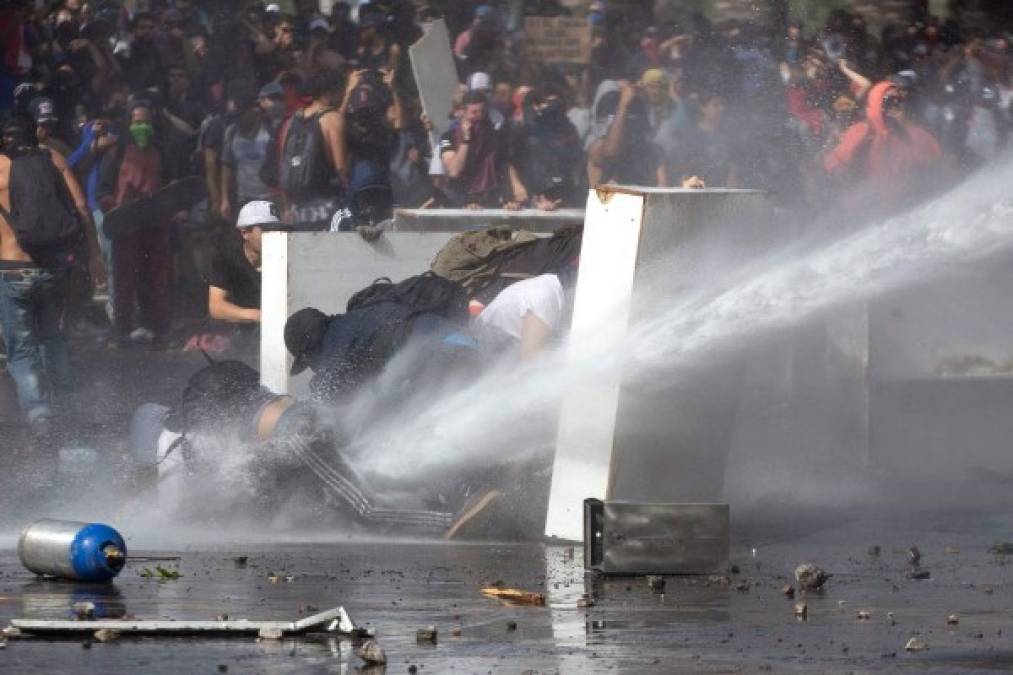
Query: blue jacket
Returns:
{"type": "Point", "coordinates": [79, 156]}
{"type": "Point", "coordinates": [359, 344]}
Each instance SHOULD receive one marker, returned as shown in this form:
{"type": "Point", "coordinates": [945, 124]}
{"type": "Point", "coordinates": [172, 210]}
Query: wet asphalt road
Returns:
{"type": "Point", "coordinates": [697, 625]}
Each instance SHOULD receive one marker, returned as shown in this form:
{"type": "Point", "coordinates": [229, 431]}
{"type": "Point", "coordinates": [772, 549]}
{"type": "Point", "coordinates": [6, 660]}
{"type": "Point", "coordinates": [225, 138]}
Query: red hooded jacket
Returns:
{"type": "Point", "coordinates": [889, 156]}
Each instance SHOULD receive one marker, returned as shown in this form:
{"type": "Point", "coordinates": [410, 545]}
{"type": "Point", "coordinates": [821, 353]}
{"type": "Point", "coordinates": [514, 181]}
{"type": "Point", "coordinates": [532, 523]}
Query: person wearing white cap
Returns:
{"type": "Point", "coordinates": [479, 81]}
{"type": "Point", "coordinates": [234, 275]}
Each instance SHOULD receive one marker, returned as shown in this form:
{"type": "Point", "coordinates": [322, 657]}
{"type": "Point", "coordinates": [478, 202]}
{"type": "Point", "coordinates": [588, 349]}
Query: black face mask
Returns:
{"type": "Point", "coordinates": [552, 111]}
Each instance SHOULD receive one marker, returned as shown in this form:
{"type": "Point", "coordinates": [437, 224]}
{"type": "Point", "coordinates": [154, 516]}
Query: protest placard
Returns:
{"type": "Point", "coordinates": [557, 39]}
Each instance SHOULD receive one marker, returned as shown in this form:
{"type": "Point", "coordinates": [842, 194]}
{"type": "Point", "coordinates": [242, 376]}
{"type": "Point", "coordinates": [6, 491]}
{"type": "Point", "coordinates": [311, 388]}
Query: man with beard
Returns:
{"type": "Point", "coordinates": [476, 160]}
{"type": "Point", "coordinates": [546, 151]}
{"type": "Point", "coordinates": [142, 64]}
{"type": "Point", "coordinates": [245, 148]}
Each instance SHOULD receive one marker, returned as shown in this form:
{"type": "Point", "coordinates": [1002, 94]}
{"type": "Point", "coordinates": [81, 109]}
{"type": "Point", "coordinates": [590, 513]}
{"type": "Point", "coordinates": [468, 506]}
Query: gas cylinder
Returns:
{"type": "Point", "coordinates": [72, 550]}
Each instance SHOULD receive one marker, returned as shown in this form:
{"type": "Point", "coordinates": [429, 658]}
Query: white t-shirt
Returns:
{"type": "Point", "coordinates": [542, 296]}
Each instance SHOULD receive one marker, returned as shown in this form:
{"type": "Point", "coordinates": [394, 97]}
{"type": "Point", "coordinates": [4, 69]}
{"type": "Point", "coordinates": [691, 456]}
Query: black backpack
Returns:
{"type": "Point", "coordinates": [303, 170]}
{"type": "Point", "coordinates": [423, 293]}
{"type": "Point", "coordinates": [42, 213]}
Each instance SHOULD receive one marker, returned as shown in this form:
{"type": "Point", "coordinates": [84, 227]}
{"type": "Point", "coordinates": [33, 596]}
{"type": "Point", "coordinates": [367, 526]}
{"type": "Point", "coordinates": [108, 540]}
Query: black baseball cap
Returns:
{"type": "Point", "coordinates": [304, 331]}
{"type": "Point", "coordinates": [43, 110]}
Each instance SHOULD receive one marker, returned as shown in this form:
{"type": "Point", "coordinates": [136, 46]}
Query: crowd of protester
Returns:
{"type": "Point", "coordinates": [317, 121]}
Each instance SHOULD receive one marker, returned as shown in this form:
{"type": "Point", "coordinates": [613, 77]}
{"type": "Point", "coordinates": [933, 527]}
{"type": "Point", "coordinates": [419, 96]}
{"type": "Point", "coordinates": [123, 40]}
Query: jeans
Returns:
{"type": "Point", "coordinates": [106, 246]}
{"type": "Point", "coordinates": [32, 301]}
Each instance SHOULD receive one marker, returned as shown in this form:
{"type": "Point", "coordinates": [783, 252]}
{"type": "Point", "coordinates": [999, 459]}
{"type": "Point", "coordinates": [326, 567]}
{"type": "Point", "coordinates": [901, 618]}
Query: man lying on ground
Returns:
{"type": "Point", "coordinates": [288, 451]}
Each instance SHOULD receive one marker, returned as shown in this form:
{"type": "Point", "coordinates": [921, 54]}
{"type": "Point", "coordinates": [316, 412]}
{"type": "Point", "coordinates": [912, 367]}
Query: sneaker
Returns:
{"type": "Point", "coordinates": [475, 519]}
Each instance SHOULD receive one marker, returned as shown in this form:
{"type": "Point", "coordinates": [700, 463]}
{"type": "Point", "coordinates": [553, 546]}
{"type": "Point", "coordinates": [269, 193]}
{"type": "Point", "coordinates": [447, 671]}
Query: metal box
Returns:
{"type": "Point", "coordinates": [640, 538]}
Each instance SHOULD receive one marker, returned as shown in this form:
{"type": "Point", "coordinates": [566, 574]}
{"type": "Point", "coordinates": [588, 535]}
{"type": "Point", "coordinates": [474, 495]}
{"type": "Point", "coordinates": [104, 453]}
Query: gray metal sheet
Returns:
{"type": "Point", "coordinates": [638, 538]}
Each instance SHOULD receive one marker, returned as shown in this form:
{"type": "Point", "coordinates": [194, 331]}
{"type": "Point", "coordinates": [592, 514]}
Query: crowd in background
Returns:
{"type": "Point", "coordinates": [321, 116]}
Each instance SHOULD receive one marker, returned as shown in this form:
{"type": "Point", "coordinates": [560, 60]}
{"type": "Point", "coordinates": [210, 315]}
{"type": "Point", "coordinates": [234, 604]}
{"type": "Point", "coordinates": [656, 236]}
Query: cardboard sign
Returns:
{"type": "Point", "coordinates": [436, 78]}
{"type": "Point", "coordinates": [557, 40]}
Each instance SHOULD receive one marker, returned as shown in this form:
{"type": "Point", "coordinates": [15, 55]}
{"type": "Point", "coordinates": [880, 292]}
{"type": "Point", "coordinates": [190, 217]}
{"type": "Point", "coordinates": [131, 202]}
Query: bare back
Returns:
{"type": "Point", "coordinates": [10, 250]}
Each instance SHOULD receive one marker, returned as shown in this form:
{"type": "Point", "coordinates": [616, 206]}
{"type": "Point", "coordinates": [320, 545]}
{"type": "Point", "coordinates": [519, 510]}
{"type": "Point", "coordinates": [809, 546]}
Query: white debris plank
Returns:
{"type": "Point", "coordinates": [146, 627]}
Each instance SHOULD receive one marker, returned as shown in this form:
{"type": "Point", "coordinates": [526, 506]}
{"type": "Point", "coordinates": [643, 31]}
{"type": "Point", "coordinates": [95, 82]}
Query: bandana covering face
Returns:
{"type": "Point", "coordinates": [142, 133]}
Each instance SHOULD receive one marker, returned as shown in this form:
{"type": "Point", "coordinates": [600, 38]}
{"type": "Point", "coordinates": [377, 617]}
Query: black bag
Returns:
{"type": "Point", "coordinates": [423, 293]}
{"type": "Point", "coordinates": [303, 170]}
{"type": "Point", "coordinates": [42, 213]}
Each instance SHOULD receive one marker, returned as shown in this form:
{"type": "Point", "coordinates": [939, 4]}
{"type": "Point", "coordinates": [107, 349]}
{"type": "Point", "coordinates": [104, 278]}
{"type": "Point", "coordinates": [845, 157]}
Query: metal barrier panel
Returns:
{"type": "Point", "coordinates": [613, 441]}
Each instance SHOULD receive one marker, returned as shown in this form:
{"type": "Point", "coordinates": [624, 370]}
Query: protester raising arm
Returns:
{"type": "Point", "coordinates": [861, 83]}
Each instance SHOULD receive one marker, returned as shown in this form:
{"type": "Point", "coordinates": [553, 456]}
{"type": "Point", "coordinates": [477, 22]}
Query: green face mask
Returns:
{"type": "Point", "coordinates": [142, 133]}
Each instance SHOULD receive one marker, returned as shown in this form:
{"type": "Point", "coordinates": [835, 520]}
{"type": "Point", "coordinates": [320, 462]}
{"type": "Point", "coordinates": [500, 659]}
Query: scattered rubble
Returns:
{"type": "Point", "coordinates": [240, 561]}
{"type": "Point", "coordinates": [744, 586]}
{"type": "Point", "coordinates": [919, 575]}
{"type": "Point", "coordinates": [107, 635]}
{"type": "Point", "coordinates": [511, 625]}
{"type": "Point", "coordinates": [788, 591]}
{"type": "Point", "coordinates": [864, 615]}
{"type": "Point", "coordinates": [914, 556]}
{"type": "Point", "coordinates": [952, 619]}
{"type": "Point", "coordinates": [426, 636]}
{"type": "Point", "coordinates": [1002, 548]}
{"type": "Point", "coordinates": [891, 619]}
{"type": "Point", "coordinates": [915, 645]}
{"type": "Point", "coordinates": [810, 577]}
{"type": "Point", "coordinates": [11, 632]}
{"type": "Point", "coordinates": [456, 632]}
{"type": "Point", "coordinates": [801, 611]}
{"type": "Point", "coordinates": [372, 653]}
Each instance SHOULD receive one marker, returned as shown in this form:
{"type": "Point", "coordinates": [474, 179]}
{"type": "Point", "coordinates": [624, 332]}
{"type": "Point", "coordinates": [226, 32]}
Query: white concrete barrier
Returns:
{"type": "Point", "coordinates": [324, 269]}
{"type": "Point", "coordinates": [603, 442]}
{"type": "Point", "coordinates": [459, 220]}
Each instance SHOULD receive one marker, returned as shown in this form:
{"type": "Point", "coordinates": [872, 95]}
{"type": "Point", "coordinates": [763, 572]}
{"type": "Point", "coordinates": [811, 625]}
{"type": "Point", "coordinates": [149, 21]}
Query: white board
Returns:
{"type": "Point", "coordinates": [608, 262]}
{"type": "Point", "coordinates": [436, 77]}
{"type": "Point", "coordinates": [613, 440]}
